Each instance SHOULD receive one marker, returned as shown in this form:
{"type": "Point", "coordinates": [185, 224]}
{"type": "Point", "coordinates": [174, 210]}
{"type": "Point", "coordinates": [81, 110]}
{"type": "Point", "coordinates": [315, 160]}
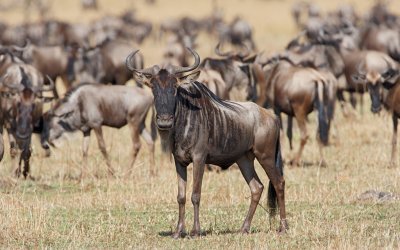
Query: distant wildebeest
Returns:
{"type": "Point", "coordinates": [238, 32]}
{"type": "Point", "coordinates": [232, 69]}
{"type": "Point", "coordinates": [103, 64]}
{"type": "Point", "coordinates": [88, 107]}
{"type": "Point", "coordinates": [21, 100]}
{"type": "Point", "coordinates": [214, 82]}
{"type": "Point", "coordinates": [383, 85]}
{"type": "Point", "coordinates": [296, 91]}
{"type": "Point", "coordinates": [197, 127]}
{"type": "Point", "coordinates": [89, 4]}
{"type": "Point", "coordinates": [175, 52]}
{"type": "Point", "coordinates": [52, 61]}
{"type": "Point", "coordinates": [383, 39]}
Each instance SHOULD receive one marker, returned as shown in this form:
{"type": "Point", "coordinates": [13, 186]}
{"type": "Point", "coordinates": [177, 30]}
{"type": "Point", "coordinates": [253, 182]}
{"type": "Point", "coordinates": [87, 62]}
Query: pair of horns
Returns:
{"type": "Point", "coordinates": [175, 69]}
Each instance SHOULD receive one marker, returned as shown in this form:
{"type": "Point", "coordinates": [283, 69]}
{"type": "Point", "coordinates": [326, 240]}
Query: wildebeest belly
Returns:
{"type": "Point", "coordinates": [116, 119]}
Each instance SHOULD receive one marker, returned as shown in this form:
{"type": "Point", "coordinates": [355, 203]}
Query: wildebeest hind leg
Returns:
{"type": "Point", "coordinates": [85, 149]}
{"type": "Point", "coordinates": [246, 167]}
{"type": "Point", "coordinates": [277, 190]}
{"type": "Point", "coordinates": [135, 145]}
{"type": "Point", "coordinates": [149, 141]}
{"type": "Point", "coordinates": [102, 145]}
{"type": "Point", "coordinates": [301, 122]}
{"type": "Point", "coordinates": [394, 141]}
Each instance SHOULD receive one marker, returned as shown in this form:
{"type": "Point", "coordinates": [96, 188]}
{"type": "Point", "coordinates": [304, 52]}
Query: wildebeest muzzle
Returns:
{"type": "Point", "coordinates": [164, 121]}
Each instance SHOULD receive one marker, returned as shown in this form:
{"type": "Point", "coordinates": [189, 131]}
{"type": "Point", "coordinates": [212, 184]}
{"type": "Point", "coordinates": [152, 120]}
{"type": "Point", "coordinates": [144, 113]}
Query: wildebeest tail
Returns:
{"type": "Point", "coordinates": [272, 196]}
{"type": "Point", "coordinates": [323, 121]}
{"type": "Point", "coordinates": [153, 127]}
{"type": "Point", "coordinates": [1, 147]}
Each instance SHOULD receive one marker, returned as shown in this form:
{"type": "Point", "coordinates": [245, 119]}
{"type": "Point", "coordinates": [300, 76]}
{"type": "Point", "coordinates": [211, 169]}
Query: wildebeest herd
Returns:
{"type": "Point", "coordinates": [333, 54]}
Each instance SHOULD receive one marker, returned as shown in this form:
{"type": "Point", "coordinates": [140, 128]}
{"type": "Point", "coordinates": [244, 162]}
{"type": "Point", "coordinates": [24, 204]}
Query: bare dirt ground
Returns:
{"type": "Point", "coordinates": [323, 204]}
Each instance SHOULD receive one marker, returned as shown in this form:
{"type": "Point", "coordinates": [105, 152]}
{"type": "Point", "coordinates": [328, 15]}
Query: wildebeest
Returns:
{"type": "Point", "coordinates": [197, 127]}
{"type": "Point", "coordinates": [103, 64]}
{"type": "Point", "coordinates": [21, 110]}
{"type": "Point", "coordinates": [232, 69]}
{"type": "Point", "coordinates": [384, 88]}
{"type": "Point", "coordinates": [384, 39]}
{"type": "Point", "coordinates": [238, 32]}
{"type": "Point", "coordinates": [52, 61]}
{"type": "Point", "coordinates": [89, 4]}
{"type": "Point", "coordinates": [296, 91]}
{"type": "Point", "coordinates": [88, 107]}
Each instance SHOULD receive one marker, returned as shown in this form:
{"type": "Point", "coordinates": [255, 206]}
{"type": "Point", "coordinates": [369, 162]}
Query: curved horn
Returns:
{"type": "Point", "coordinates": [218, 51]}
{"type": "Point", "coordinates": [196, 63]}
{"type": "Point", "coordinates": [18, 87]}
{"type": "Point", "coordinates": [49, 87]}
{"type": "Point", "coordinates": [21, 49]}
{"type": "Point", "coordinates": [246, 52]}
{"type": "Point", "coordinates": [45, 87]}
{"type": "Point", "coordinates": [129, 64]}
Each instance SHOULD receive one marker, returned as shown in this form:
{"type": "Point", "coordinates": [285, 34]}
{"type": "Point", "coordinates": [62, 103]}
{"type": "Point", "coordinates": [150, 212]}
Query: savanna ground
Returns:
{"type": "Point", "coordinates": [323, 208]}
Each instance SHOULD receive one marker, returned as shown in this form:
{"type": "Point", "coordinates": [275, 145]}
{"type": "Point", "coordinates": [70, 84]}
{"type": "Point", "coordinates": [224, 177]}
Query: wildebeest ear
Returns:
{"type": "Point", "coordinates": [391, 76]}
{"type": "Point", "coordinates": [143, 79]}
{"type": "Point", "coordinates": [358, 78]}
{"type": "Point", "coordinates": [47, 99]}
{"type": "Point", "coordinates": [64, 115]}
{"type": "Point", "coordinates": [190, 78]}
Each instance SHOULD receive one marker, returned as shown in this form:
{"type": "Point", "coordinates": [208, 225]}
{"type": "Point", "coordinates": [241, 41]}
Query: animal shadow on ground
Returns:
{"type": "Point", "coordinates": [206, 232]}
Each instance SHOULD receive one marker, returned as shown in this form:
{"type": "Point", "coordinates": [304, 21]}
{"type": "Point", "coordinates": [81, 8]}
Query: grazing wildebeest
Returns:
{"type": "Point", "coordinates": [296, 90]}
{"type": "Point", "coordinates": [21, 110]}
{"type": "Point", "coordinates": [384, 88]}
{"type": "Point", "coordinates": [197, 127]}
{"type": "Point", "coordinates": [88, 107]}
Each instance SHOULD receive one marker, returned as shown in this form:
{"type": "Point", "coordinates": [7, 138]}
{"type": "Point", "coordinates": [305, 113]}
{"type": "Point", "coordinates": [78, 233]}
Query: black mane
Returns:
{"type": "Point", "coordinates": [200, 91]}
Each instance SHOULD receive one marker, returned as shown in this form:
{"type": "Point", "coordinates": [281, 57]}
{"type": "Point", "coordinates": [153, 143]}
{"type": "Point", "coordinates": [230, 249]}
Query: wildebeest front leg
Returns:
{"type": "Point", "coordinates": [246, 167]}
{"type": "Point", "coordinates": [13, 144]}
{"type": "Point", "coordinates": [198, 172]}
{"type": "Point", "coordinates": [103, 149]}
{"type": "Point", "coordinates": [85, 149]}
{"type": "Point", "coordinates": [181, 198]}
{"type": "Point", "coordinates": [394, 141]}
{"type": "Point", "coordinates": [25, 156]}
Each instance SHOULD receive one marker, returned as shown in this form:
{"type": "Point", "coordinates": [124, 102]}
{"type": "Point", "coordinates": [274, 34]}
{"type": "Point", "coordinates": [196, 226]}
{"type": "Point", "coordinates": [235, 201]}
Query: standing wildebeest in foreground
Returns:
{"type": "Point", "coordinates": [197, 127]}
{"type": "Point", "coordinates": [384, 88]}
{"type": "Point", "coordinates": [88, 107]}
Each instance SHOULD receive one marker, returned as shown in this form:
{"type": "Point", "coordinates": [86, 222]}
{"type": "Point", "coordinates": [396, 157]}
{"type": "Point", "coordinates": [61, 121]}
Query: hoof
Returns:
{"type": "Point", "coordinates": [194, 233]}
{"type": "Point", "coordinates": [244, 231]}
{"type": "Point", "coordinates": [392, 164]}
{"type": "Point", "coordinates": [178, 235]}
{"type": "Point", "coordinates": [294, 163]}
{"type": "Point", "coordinates": [323, 164]}
{"type": "Point", "coordinates": [283, 227]}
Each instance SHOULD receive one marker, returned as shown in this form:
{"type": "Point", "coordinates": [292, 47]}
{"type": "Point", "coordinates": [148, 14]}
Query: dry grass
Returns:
{"type": "Point", "coordinates": [139, 212]}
